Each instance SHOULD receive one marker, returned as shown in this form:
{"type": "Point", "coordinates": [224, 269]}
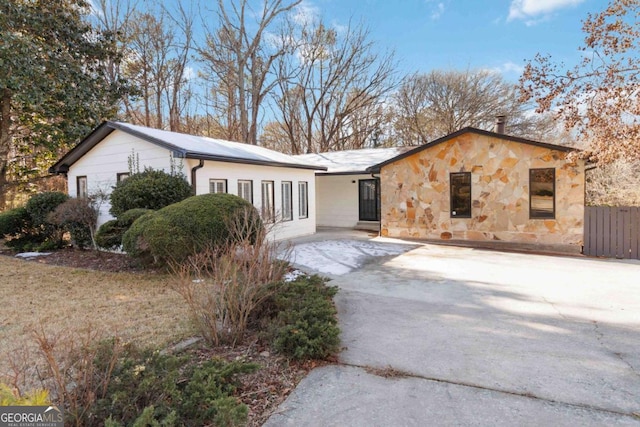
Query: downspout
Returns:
{"type": "Point", "coordinates": [193, 175]}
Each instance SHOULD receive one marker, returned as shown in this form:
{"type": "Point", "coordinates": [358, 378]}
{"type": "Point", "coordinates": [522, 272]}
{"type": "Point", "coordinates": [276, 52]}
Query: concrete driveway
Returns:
{"type": "Point", "coordinates": [457, 336]}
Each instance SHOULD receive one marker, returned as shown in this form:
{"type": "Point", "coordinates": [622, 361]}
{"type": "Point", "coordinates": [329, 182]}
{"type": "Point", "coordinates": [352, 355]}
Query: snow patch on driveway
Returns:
{"type": "Point", "coordinates": [338, 257]}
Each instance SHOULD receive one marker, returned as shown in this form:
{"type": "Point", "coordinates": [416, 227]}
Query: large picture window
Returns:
{"type": "Point", "coordinates": [287, 201]}
{"type": "Point", "coordinates": [542, 193]}
{"type": "Point", "coordinates": [217, 186]}
{"type": "Point", "coordinates": [303, 199]}
{"type": "Point", "coordinates": [245, 190]}
{"type": "Point", "coordinates": [268, 208]}
{"type": "Point", "coordinates": [460, 188]}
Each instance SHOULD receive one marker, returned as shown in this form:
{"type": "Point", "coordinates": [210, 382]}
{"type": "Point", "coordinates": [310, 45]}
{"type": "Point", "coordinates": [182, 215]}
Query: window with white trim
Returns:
{"type": "Point", "coordinates": [245, 190]}
{"type": "Point", "coordinates": [268, 207]}
{"type": "Point", "coordinates": [303, 199]}
{"type": "Point", "coordinates": [122, 176]}
{"type": "Point", "coordinates": [217, 186]}
{"type": "Point", "coordinates": [287, 201]}
{"type": "Point", "coordinates": [81, 187]}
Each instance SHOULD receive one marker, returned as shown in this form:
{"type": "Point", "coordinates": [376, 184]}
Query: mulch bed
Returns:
{"type": "Point", "coordinates": [92, 260]}
{"type": "Point", "coordinates": [264, 390]}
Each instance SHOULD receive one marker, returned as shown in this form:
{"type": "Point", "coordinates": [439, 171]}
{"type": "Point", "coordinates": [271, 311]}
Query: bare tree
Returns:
{"type": "Point", "coordinates": [428, 106]}
{"type": "Point", "coordinates": [329, 88]}
{"type": "Point", "coordinates": [114, 17]}
{"type": "Point", "coordinates": [239, 58]}
{"type": "Point", "coordinates": [159, 46]}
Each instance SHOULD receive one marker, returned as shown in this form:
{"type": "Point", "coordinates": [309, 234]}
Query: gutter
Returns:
{"type": "Point", "coordinates": [193, 175]}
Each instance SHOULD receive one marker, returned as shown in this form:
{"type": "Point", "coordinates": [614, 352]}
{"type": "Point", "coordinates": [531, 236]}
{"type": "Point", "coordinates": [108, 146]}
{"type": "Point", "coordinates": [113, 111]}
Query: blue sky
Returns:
{"type": "Point", "coordinates": [490, 34]}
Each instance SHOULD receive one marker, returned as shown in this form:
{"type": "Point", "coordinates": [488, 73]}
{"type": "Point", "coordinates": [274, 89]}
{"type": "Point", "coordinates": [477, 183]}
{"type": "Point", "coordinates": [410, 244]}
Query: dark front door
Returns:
{"type": "Point", "coordinates": [369, 199]}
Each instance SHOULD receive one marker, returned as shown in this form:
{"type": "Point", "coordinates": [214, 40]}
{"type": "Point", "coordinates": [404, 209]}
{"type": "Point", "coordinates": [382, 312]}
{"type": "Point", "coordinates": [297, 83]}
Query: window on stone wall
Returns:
{"type": "Point", "coordinates": [542, 193]}
{"type": "Point", "coordinates": [460, 188]}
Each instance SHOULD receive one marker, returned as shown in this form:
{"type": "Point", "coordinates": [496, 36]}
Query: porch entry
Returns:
{"type": "Point", "coordinates": [369, 199]}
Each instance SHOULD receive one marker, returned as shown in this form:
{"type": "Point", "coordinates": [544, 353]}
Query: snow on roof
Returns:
{"type": "Point", "coordinates": [352, 161]}
{"type": "Point", "coordinates": [204, 147]}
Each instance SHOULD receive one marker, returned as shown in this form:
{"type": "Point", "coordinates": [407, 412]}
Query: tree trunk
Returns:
{"type": "Point", "coordinates": [5, 143]}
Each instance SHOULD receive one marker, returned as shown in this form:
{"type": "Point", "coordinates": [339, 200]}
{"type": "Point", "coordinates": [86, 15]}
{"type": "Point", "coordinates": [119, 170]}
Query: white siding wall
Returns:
{"type": "Point", "coordinates": [233, 172]}
{"type": "Point", "coordinates": [109, 158]}
{"type": "Point", "coordinates": [337, 200]}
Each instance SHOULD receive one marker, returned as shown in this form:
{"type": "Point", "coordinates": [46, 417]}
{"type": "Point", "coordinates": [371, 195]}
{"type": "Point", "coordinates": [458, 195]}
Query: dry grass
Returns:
{"type": "Point", "coordinates": [140, 308]}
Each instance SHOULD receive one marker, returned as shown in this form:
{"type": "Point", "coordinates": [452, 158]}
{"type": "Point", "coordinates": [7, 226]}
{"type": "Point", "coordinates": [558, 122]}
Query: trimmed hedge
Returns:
{"type": "Point", "coordinates": [151, 189]}
{"type": "Point", "coordinates": [179, 230]}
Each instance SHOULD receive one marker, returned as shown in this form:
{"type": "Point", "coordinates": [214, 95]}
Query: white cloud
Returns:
{"type": "Point", "coordinates": [511, 67]}
{"type": "Point", "coordinates": [507, 69]}
{"type": "Point", "coordinates": [437, 11]}
{"type": "Point", "coordinates": [436, 8]}
{"type": "Point", "coordinates": [533, 11]}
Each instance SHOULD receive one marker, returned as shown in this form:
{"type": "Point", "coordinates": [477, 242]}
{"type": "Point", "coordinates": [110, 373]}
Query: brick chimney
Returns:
{"type": "Point", "coordinates": [500, 123]}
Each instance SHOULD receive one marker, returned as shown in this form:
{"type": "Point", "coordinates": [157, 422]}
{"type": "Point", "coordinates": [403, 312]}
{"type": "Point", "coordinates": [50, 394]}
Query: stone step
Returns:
{"type": "Point", "coordinates": [368, 225]}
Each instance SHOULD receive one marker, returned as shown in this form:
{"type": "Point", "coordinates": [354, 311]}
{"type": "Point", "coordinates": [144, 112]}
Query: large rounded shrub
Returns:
{"type": "Point", "coordinates": [180, 230]}
{"type": "Point", "coordinates": [151, 189]}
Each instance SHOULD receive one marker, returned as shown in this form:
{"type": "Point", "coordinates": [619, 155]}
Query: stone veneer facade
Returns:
{"type": "Point", "coordinates": [415, 193]}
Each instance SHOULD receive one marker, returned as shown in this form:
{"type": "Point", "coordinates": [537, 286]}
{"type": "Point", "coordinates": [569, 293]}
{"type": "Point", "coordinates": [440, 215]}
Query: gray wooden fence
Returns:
{"type": "Point", "coordinates": [612, 232]}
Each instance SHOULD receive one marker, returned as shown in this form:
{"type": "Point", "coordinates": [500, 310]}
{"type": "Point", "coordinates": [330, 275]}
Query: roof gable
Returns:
{"type": "Point", "coordinates": [376, 168]}
{"type": "Point", "coordinates": [185, 146]}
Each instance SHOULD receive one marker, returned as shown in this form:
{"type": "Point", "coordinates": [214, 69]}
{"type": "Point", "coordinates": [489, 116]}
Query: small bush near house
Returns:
{"type": "Point", "coordinates": [109, 235]}
{"type": "Point", "coordinates": [151, 189]}
{"type": "Point", "coordinates": [133, 242]}
{"type": "Point", "coordinates": [79, 218]}
{"type": "Point", "coordinates": [177, 231]}
{"type": "Point", "coordinates": [304, 319]}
